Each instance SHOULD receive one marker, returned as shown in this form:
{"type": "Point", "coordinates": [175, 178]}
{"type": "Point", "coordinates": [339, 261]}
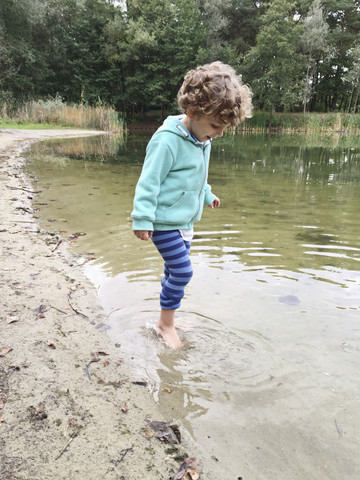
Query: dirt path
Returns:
{"type": "Point", "coordinates": [69, 407]}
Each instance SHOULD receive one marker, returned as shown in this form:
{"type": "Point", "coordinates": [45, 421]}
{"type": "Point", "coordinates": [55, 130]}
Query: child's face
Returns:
{"type": "Point", "coordinates": [206, 127]}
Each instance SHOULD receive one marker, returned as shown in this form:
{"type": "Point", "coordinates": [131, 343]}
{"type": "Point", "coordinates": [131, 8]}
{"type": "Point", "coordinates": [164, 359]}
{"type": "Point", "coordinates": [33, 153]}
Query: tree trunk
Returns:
{"type": "Point", "coordinates": [351, 97]}
{"type": "Point", "coordinates": [356, 99]}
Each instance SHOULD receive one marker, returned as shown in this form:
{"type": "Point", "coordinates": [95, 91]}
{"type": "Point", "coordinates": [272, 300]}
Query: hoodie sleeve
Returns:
{"type": "Point", "coordinates": [209, 196]}
{"type": "Point", "coordinates": [158, 162]}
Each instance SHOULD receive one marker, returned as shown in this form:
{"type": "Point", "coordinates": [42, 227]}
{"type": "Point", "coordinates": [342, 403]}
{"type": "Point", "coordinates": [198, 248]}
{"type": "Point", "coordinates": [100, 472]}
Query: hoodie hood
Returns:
{"type": "Point", "coordinates": [174, 124]}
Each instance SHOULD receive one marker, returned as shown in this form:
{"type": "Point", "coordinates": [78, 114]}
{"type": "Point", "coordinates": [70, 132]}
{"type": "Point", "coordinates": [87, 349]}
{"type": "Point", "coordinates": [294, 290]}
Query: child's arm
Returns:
{"type": "Point", "coordinates": [157, 164]}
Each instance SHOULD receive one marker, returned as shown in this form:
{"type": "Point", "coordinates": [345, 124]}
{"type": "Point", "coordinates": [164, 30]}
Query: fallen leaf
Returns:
{"type": "Point", "coordinates": [147, 433]}
{"type": "Point", "coordinates": [192, 474]}
{"type": "Point", "coordinates": [168, 389]}
{"type": "Point", "coordinates": [12, 319]}
{"type": "Point", "coordinates": [165, 432]}
{"type": "Point", "coordinates": [40, 310]}
{"type": "Point", "coordinates": [51, 344]}
{"type": "Point", "coordinates": [176, 430]}
{"type": "Point", "coordinates": [99, 354]}
{"type": "Point", "coordinates": [5, 351]}
{"type": "Point", "coordinates": [180, 474]}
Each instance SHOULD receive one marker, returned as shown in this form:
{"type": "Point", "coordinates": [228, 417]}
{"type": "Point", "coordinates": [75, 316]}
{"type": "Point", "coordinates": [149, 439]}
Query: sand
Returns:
{"type": "Point", "coordinates": [70, 406]}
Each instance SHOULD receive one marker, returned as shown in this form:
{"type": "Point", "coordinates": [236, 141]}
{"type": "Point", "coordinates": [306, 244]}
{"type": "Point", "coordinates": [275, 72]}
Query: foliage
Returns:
{"type": "Point", "coordinates": [314, 44]}
{"type": "Point", "coordinates": [151, 45]}
{"type": "Point", "coordinates": [296, 54]}
{"type": "Point", "coordinates": [272, 64]}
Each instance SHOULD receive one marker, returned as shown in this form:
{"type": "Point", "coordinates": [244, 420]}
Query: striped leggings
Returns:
{"type": "Point", "coordinates": [177, 267]}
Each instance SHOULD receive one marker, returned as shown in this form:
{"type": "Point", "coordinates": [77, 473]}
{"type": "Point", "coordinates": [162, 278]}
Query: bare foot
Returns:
{"type": "Point", "coordinates": [166, 327]}
{"type": "Point", "coordinates": [170, 336]}
{"type": "Point", "coordinates": [185, 327]}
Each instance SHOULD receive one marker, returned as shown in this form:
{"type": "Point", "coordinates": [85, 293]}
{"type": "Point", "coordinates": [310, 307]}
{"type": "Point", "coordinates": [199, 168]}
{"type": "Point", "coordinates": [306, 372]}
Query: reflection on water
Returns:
{"type": "Point", "coordinates": [273, 306]}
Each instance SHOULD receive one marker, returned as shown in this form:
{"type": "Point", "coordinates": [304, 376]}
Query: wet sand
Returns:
{"type": "Point", "coordinates": [70, 406]}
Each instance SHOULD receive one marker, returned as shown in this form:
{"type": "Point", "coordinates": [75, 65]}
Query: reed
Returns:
{"type": "Point", "coordinates": [308, 123]}
{"type": "Point", "coordinates": [55, 112]}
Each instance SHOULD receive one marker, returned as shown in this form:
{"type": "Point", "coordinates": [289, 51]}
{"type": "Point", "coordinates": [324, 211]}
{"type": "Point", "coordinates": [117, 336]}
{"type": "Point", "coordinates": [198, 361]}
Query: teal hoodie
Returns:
{"type": "Point", "coordinates": [172, 189]}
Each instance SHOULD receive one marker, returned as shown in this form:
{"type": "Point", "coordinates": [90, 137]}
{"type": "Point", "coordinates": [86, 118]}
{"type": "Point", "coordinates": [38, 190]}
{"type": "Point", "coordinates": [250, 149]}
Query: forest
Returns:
{"type": "Point", "coordinates": [297, 56]}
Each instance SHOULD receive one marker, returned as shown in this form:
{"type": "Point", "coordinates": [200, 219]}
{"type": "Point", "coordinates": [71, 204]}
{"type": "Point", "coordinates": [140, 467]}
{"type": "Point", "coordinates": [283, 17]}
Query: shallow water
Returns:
{"type": "Point", "coordinates": [268, 380]}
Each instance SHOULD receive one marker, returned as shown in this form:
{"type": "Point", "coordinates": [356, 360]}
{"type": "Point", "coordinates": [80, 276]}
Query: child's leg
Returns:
{"type": "Point", "coordinates": [177, 274]}
{"type": "Point", "coordinates": [166, 274]}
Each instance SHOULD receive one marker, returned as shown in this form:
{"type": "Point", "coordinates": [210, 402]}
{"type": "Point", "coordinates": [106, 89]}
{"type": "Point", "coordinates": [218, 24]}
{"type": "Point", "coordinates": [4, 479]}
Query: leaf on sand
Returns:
{"type": "Point", "coordinates": [99, 354]}
{"type": "Point", "coordinates": [147, 433]}
{"type": "Point", "coordinates": [5, 351]}
{"type": "Point", "coordinates": [192, 474]}
{"type": "Point", "coordinates": [106, 363]}
{"type": "Point", "coordinates": [166, 432]}
{"type": "Point", "coordinates": [41, 309]}
{"type": "Point", "coordinates": [51, 344]}
{"type": "Point", "coordinates": [12, 319]}
{"type": "Point", "coordinates": [187, 471]}
{"type": "Point", "coordinates": [180, 474]}
{"type": "Point", "coordinates": [168, 389]}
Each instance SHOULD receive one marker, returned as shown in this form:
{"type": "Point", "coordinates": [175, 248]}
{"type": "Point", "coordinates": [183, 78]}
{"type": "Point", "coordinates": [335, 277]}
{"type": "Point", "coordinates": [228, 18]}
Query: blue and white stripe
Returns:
{"type": "Point", "coordinates": [177, 268]}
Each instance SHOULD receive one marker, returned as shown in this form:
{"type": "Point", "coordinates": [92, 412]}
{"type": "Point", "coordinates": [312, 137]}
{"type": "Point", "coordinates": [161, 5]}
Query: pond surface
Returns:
{"type": "Point", "coordinates": [268, 381]}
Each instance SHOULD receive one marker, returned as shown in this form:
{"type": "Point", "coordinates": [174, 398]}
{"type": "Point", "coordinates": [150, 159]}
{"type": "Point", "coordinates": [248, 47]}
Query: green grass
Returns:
{"type": "Point", "coordinates": [309, 123]}
{"type": "Point", "coordinates": [31, 126]}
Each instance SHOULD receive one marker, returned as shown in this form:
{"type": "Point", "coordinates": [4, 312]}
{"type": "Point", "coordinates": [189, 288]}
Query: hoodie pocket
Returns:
{"type": "Point", "coordinates": [182, 211]}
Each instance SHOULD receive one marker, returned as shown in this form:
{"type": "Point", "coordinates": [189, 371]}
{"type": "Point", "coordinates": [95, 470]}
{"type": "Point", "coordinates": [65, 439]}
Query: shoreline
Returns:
{"type": "Point", "coordinates": [70, 405]}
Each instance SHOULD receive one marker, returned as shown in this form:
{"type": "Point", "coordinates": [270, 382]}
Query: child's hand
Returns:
{"type": "Point", "coordinates": [215, 203]}
{"type": "Point", "coordinates": [143, 234]}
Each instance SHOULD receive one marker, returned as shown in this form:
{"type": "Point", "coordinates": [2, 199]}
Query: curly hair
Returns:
{"type": "Point", "coordinates": [215, 89]}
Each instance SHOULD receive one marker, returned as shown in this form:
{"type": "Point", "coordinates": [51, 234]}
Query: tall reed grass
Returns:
{"type": "Point", "coordinates": [55, 111]}
{"type": "Point", "coordinates": [298, 122]}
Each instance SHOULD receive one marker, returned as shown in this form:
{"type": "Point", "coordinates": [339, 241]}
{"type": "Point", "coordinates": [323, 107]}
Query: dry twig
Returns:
{"type": "Point", "coordinates": [57, 244]}
{"type": "Point", "coordinates": [66, 446]}
{"type": "Point", "coordinates": [76, 311]}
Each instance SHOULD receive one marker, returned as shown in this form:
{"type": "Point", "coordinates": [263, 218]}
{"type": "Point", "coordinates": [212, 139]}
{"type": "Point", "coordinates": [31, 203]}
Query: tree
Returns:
{"type": "Point", "coordinates": [272, 66]}
{"type": "Point", "coordinates": [243, 24]}
{"type": "Point", "coordinates": [216, 22]}
{"type": "Point", "coordinates": [315, 46]}
{"type": "Point", "coordinates": [152, 44]}
{"type": "Point", "coordinates": [343, 19]}
{"type": "Point", "coordinates": [353, 77]}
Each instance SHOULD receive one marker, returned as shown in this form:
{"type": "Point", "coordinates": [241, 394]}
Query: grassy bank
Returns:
{"type": "Point", "coordinates": [310, 122]}
{"type": "Point", "coordinates": [54, 112]}
{"type": "Point", "coordinates": [261, 121]}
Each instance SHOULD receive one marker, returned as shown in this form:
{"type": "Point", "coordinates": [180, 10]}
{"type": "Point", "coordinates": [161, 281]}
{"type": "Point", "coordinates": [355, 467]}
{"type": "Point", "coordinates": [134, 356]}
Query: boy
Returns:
{"type": "Point", "coordinates": [172, 188]}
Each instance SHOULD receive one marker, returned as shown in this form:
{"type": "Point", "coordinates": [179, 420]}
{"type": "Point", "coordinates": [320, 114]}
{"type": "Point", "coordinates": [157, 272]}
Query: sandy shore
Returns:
{"type": "Point", "coordinates": [70, 407]}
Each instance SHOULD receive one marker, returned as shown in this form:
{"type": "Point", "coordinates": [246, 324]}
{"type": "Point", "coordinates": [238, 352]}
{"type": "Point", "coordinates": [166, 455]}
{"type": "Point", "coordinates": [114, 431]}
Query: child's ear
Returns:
{"type": "Point", "coordinates": [189, 114]}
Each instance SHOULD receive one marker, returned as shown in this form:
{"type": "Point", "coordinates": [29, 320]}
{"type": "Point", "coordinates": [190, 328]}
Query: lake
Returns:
{"type": "Point", "coordinates": [268, 380]}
